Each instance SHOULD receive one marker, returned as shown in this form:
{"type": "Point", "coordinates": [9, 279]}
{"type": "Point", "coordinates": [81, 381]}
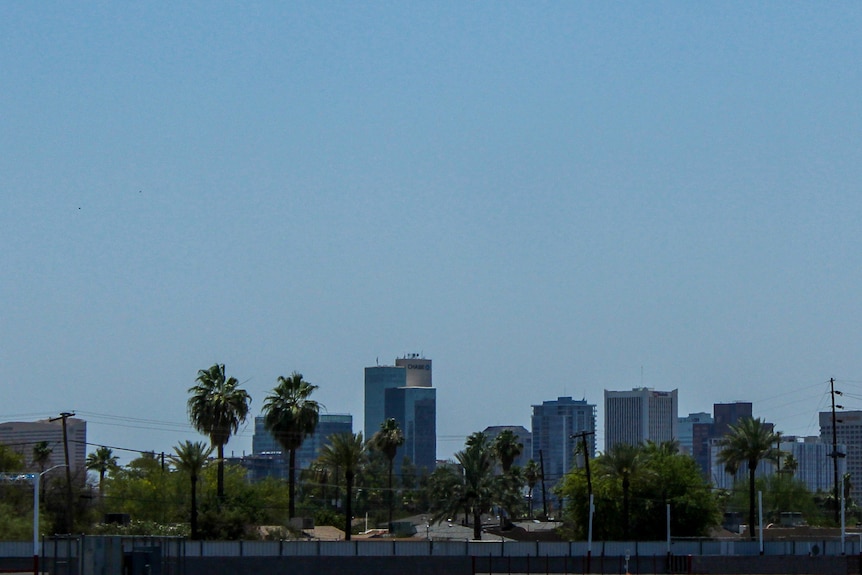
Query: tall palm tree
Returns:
{"type": "Point", "coordinates": [216, 408]}
{"type": "Point", "coordinates": [345, 452]}
{"type": "Point", "coordinates": [387, 440]}
{"type": "Point", "coordinates": [102, 460]}
{"type": "Point", "coordinates": [191, 458]}
{"type": "Point", "coordinates": [507, 448]}
{"type": "Point", "coordinates": [532, 475]}
{"type": "Point", "coordinates": [42, 455]}
{"type": "Point", "coordinates": [479, 490]}
{"type": "Point", "coordinates": [291, 416]}
{"type": "Point", "coordinates": [749, 441]}
{"type": "Point", "coordinates": [621, 463]}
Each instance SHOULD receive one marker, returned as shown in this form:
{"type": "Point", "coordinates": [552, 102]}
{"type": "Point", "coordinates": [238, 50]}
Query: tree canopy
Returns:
{"type": "Point", "coordinates": [652, 479]}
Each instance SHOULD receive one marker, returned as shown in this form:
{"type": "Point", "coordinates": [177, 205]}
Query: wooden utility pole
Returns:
{"type": "Point", "coordinates": [835, 455]}
{"type": "Point", "coordinates": [70, 516]}
{"type": "Point", "coordinates": [583, 435]}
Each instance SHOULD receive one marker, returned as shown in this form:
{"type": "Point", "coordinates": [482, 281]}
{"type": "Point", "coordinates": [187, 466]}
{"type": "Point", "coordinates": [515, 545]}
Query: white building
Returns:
{"type": "Point", "coordinates": [23, 436]}
{"type": "Point", "coordinates": [848, 432]}
{"type": "Point", "coordinates": [641, 414]}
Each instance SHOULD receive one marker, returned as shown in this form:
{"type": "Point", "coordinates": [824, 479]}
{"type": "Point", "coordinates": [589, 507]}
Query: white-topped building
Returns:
{"type": "Point", "coordinates": [641, 414]}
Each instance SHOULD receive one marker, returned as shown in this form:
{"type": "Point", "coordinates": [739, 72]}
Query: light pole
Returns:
{"type": "Point", "coordinates": [37, 542]}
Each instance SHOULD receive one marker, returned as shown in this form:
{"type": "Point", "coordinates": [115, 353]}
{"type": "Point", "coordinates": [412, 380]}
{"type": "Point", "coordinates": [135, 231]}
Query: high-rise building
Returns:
{"type": "Point", "coordinates": [639, 415]}
{"type": "Point", "coordinates": [377, 380]}
{"type": "Point", "coordinates": [685, 427]}
{"type": "Point", "coordinates": [813, 464]}
{"type": "Point", "coordinates": [404, 392]}
{"type": "Point", "coordinates": [22, 437]}
{"type": "Point", "coordinates": [848, 432]}
{"type": "Point", "coordinates": [556, 425]}
{"type": "Point", "coordinates": [727, 414]}
{"type": "Point", "coordinates": [268, 458]}
{"type": "Point", "coordinates": [525, 438]}
{"type": "Point", "coordinates": [415, 410]}
{"type": "Point", "coordinates": [705, 435]}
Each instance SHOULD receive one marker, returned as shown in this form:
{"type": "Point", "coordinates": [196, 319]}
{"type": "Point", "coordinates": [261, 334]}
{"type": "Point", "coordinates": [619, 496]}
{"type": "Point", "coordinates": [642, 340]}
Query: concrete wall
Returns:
{"type": "Point", "coordinates": [328, 565]}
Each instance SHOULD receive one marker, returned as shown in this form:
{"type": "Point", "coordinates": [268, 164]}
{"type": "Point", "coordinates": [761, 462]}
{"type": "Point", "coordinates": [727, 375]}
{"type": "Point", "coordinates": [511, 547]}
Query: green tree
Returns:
{"type": "Point", "coordinates": [345, 452]}
{"type": "Point", "coordinates": [475, 491]}
{"type": "Point", "coordinates": [291, 416]}
{"type": "Point", "coordinates": [102, 460]}
{"type": "Point", "coordinates": [750, 441]}
{"type": "Point", "coordinates": [42, 455]}
{"type": "Point", "coordinates": [621, 462]}
{"type": "Point", "coordinates": [217, 407]}
{"type": "Point", "coordinates": [661, 477]}
{"type": "Point", "coordinates": [506, 448]}
{"type": "Point", "coordinates": [532, 475]}
{"type": "Point", "coordinates": [790, 465]}
{"type": "Point", "coordinates": [387, 440]}
{"type": "Point", "coordinates": [191, 458]}
{"type": "Point", "coordinates": [10, 460]}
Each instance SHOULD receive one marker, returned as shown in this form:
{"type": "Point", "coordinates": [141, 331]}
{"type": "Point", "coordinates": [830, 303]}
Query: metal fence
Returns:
{"type": "Point", "coordinates": [65, 550]}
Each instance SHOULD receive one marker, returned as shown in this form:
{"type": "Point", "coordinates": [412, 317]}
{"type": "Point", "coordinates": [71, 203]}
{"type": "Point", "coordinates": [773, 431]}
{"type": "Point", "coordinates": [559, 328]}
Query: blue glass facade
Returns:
{"type": "Point", "coordinates": [554, 423]}
{"type": "Point", "coordinates": [415, 410]}
{"type": "Point", "coordinates": [377, 380]}
{"type": "Point", "coordinates": [275, 463]}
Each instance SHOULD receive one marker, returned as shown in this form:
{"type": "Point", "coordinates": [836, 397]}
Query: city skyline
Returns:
{"type": "Point", "coordinates": [549, 200]}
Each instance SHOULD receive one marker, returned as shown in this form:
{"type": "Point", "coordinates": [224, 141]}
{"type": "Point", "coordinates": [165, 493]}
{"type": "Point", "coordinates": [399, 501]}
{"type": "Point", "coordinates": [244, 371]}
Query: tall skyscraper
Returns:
{"type": "Point", "coordinates": [404, 392]}
{"type": "Point", "coordinates": [555, 428]}
{"type": "Point", "coordinates": [377, 380]}
{"type": "Point", "coordinates": [686, 430]}
{"type": "Point", "coordinates": [727, 414]}
{"type": "Point", "coordinates": [415, 410]}
{"type": "Point", "coordinates": [639, 415]}
{"type": "Point", "coordinates": [268, 457]}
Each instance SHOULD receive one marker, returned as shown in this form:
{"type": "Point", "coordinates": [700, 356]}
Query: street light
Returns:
{"type": "Point", "coordinates": [37, 541]}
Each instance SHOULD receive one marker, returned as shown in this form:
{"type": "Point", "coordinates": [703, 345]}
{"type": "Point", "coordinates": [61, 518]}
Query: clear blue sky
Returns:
{"type": "Point", "coordinates": [545, 198]}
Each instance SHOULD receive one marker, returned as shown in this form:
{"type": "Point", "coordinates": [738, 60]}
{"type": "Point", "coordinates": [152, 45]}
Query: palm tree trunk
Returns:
{"type": "Point", "coordinates": [390, 497]}
{"type": "Point", "coordinates": [348, 507]}
{"type": "Point", "coordinates": [477, 525]}
{"type": "Point", "coordinates": [751, 469]}
{"type": "Point", "coordinates": [194, 519]}
{"type": "Point", "coordinates": [625, 508]}
{"type": "Point", "coordinates": [291, 484]}
{"type": "Point", "coordinates": [220, 482]}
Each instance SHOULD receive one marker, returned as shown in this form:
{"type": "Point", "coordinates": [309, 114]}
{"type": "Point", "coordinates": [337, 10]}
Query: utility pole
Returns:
{"type": "Point", "coordinates": [583, 436]}
{"type": "Point", "coordinates": [70, 519]}
{"type": "Point", "coordinates": [835, 455]}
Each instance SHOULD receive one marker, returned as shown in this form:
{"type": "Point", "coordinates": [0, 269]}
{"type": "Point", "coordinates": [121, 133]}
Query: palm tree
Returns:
{"type": "Point", "coordinates": [387, 440]}
{"type": "Point", "coordinates": [42, 455]}
{"type": "Point", "coordinates": [621, 463]}
{"type": "Point", "coordinates": [216, 409]}
{"type": "Point", "coordinates": [345, 452]}
{"type": "Point", "coordinates": [506, 448]}
{"type": "Point", "coordinates": [290, 416]}
{"type": "Point", "coordinates": [532, 475]}
{"type": "Point", "coordinates": [479, 489]}
{"type": "Point", "coordinates": [191, 458]}
{"type": "Point", "coordinates": [749, 441]}
{"type": "Point", "coordinates": [101, 460]}
{"type": "Point", "coordinates": [791, 465]}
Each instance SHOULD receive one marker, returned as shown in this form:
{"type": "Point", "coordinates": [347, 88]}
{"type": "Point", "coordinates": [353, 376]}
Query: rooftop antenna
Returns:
{"type": "Point", "coordinates": [642, 376]}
